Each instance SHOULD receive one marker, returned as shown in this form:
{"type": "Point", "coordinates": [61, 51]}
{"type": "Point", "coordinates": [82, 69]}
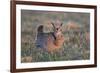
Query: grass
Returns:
{"type": "Point", "coordinates": [75, 47]}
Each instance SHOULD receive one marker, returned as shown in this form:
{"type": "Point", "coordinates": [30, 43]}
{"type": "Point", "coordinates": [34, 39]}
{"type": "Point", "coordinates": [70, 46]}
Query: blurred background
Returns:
{"type": "Point", "coordinates": [76, 30]}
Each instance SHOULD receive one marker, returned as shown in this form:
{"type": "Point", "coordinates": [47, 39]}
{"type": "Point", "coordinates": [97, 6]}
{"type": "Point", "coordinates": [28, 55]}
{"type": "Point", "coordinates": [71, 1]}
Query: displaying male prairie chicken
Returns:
{"type": "Point", "coordinates": [51, 41]}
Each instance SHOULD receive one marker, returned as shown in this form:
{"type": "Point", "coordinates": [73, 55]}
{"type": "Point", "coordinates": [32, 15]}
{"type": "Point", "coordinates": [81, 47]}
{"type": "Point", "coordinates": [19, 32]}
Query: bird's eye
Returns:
{"type": "Point", "coordinates": [57, 28]}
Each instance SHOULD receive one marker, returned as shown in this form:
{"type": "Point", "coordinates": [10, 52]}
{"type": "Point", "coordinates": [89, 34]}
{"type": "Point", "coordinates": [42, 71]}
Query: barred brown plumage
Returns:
{"type": "Point", "coordinates": [51, 41]}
